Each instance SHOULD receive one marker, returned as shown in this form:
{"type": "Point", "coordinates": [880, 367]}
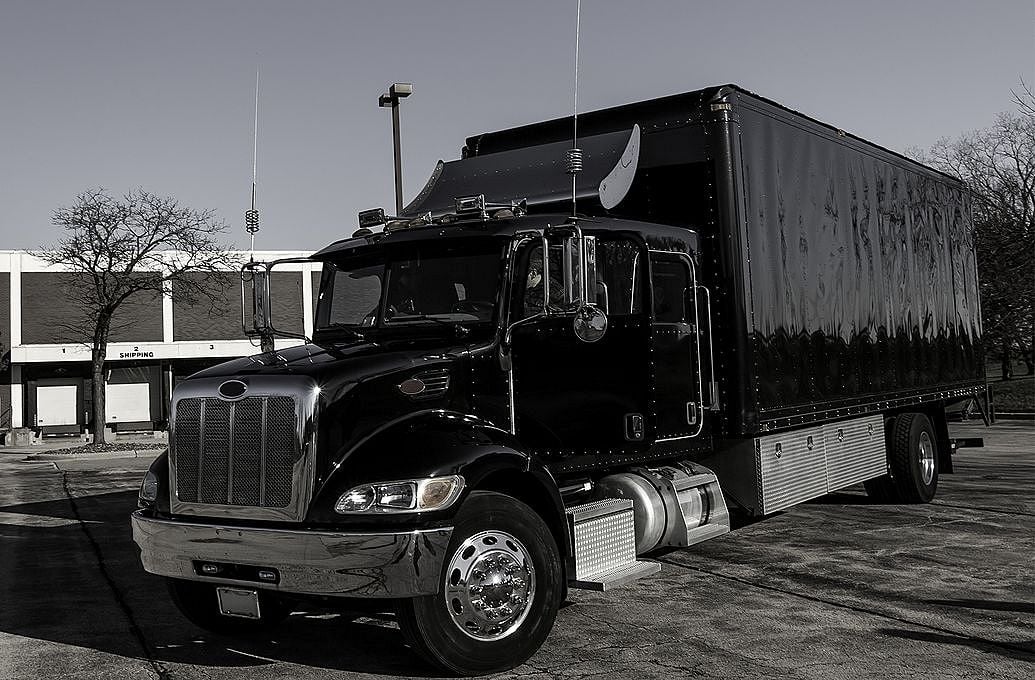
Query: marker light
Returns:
{"type": "Point", "coordinates": [372, 218]}
{"type": "Point", "coordinates": [470, 204]}
{"type": "Point", "coordinates": [416, 495]}
{"type": "Point", "coordinates": [148, 493]}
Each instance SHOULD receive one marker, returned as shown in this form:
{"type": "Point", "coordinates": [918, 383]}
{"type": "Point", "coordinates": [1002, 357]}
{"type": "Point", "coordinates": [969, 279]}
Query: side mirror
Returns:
{"type": "Point", "coordinates": [590, 323]}
{"type": "Point", "coordinates": [255, 284]}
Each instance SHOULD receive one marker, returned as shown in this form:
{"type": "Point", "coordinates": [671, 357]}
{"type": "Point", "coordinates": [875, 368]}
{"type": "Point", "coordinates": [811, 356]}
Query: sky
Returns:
{"type": "Point", "coordinates": [160, 95]}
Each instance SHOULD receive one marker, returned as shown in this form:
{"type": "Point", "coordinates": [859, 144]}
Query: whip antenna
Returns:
{"type": "Point", "coordinates": [251, 217]}
{"type": "Point", "coordinates": [575, 153]}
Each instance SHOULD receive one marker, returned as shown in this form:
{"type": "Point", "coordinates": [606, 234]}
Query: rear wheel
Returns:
{"type": "Point", "coordinates": [198, 602]}
{"type": "Point", "coordinates": [499, 591]}
{"type": "Point", "coordinates": [913, 456]}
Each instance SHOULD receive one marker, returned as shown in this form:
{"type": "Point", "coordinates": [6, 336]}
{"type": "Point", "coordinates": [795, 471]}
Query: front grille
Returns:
{"type": "Point", "coordinates": [236, 452]}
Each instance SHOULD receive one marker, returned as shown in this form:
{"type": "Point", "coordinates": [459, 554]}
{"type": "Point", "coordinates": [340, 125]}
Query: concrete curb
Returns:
{"type": "Point", "coordinates": [1015, 416]}
{"type": "Point", "coordinates": [141, 453]}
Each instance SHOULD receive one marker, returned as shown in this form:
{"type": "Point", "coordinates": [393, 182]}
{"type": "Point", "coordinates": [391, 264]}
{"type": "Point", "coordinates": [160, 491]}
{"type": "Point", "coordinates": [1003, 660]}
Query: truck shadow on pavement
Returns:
{"type": "Point", "coordinates": [1008, 649]}
{"type": "Point", "coordinates": [73, 577]}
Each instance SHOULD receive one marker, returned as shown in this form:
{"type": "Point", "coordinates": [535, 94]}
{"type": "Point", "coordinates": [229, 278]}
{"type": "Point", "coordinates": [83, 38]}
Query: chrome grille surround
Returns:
{"type": "Point", "coordinates": [251, 457]}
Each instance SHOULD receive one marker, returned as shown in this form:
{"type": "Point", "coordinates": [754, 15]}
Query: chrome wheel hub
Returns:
{"type": "Point", "coordinates": [926, 452]}
{"type": "Point", "coordinates": [490, 583]}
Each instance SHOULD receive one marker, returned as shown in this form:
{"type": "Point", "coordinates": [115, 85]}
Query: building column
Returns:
{"type": "Point", "coordinates": [16, 299]}
{"type": "Point", "coordinates": [167, 311]}
{"type": "Point", "coordinates": [17, 400]}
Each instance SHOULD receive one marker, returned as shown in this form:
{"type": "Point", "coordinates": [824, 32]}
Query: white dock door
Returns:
{"type": "Point", "coordinates": [127, 402]}
{"type": "Point", "coordinates": [56, 405]}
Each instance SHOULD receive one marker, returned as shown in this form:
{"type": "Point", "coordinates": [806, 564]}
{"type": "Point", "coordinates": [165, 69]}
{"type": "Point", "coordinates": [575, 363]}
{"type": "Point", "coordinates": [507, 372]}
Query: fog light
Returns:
{"type": "Point", "coordinates": [210, 569]}
{"type": "Point", "coordinates": [267, 575]}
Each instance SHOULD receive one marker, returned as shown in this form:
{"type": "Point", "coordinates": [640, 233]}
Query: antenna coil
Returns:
{"type": "Point", "coordinates": [251, 221]}
{"type": "Point", "coordinates": [574, 161]}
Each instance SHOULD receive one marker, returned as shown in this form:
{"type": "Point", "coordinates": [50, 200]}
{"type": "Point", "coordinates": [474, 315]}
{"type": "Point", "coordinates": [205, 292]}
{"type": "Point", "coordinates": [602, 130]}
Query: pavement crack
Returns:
{"type": "Point", "coordinates": [851, 607]}
{"type": "Point", "coordinates": [156, 666]}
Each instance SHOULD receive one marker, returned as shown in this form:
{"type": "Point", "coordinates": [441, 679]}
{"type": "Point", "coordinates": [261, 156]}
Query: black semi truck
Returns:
{"type": "Point", "coordinates": [531, 379]}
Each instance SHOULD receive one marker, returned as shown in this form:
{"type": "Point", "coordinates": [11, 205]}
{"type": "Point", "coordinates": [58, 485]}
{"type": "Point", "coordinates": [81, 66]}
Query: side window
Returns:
{"type": "Point", "coordinates": [619, 276]}
{"type": "Point", "coordinates": [670, 281]}
{"type": "Point", "coordinates": [530, 286]}
{"type": "Point", "coordinates": [355, 295]}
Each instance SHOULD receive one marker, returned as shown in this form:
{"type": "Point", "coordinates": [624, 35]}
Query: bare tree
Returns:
{"type": "Point", "coordinates": [998, 165]}
{"type": "Point", "coordinates": [124, 250]}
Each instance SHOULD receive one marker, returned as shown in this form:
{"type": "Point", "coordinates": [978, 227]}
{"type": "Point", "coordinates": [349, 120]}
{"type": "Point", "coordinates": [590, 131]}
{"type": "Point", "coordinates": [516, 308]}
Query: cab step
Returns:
{"type": "Point", "coordinates": [603, 536]}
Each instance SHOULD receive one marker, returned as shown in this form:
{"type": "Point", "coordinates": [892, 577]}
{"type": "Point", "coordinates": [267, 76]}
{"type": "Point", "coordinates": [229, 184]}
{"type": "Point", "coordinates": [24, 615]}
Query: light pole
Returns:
{"type": "Point", "coordinates": [391, 98]}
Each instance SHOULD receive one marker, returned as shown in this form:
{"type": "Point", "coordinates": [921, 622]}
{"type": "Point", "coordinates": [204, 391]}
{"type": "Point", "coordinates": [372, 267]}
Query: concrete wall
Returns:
{"type": "Point", "coordinates": [49, 316]}
{"type": "Point", "coordinates": [222, 320]}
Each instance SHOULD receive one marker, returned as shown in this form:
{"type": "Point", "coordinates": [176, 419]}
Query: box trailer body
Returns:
{"type": "Point", "coordinates": [503, 399]}
{"type": "Point", "coordinates": [845, 276]}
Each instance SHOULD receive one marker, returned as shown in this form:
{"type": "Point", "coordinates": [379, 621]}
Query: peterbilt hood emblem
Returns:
{"type": "Point", "coordinates": [232, 389]}
{"type": "Point", "coordinates": [412, 386]}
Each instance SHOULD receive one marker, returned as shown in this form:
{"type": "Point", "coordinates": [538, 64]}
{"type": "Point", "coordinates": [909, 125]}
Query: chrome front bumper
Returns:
{"type": "Point", "coordinates": [308, 562]}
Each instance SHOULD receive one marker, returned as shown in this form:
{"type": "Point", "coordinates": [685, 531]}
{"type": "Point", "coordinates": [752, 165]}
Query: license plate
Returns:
{"type": "Point", "coordinates": [238, 602]}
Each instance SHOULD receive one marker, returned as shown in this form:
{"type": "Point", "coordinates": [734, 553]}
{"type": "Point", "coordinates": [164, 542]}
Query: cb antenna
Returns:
{"type": "Point", "coordinates": [575, 153]}
{"type": "Point", "coordinates": [251, 216]}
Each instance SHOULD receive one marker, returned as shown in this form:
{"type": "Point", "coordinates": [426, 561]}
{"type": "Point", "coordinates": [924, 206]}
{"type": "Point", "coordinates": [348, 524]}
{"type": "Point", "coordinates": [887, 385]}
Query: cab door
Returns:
{"type": "Point", "coordinates": [676, 349]}
{"type": "Point", "coordinates": [573, 395]}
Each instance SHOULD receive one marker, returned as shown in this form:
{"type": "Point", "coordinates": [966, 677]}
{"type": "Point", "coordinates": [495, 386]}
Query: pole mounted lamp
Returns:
{"type": "Point", "coordinates": [391, 98]}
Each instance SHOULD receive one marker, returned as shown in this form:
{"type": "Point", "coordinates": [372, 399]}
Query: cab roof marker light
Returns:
{"type": "Point", "coordinates": [470, 205]}
{"type": "Point", "coordinates": [372, 218]}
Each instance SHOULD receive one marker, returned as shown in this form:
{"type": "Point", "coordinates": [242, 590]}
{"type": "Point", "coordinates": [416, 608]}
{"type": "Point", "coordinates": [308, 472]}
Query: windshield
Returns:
{"type": "Point", "coordinates": [413, 288]}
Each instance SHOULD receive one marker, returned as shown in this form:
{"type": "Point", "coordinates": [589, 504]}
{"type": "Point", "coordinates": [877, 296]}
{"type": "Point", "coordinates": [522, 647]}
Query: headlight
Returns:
{"type": "Point", "coordinates": [148, 490]}
{"type": "Point", "coordinates": [414, 495]}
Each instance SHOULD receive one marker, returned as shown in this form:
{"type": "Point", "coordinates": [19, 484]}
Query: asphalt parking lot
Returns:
{"type": "Point", "coordinates": [836, 588]}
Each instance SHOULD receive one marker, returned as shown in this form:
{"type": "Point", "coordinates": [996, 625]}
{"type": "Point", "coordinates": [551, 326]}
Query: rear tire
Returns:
{"type": "Point", "coordinates": [500, 588]}
{"type": "Point", "coordinates": [913, 455]}
{"type": "Point", "coordinates": [198, 603]}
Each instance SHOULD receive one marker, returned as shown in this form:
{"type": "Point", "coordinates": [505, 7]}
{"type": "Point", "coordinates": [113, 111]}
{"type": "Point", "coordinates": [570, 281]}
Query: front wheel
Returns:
{"type": "Point", "coordinates": [499, 592]}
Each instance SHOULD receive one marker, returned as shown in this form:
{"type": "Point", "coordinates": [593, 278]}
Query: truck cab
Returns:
{"type": "Point", "coordinates": [455, 373]}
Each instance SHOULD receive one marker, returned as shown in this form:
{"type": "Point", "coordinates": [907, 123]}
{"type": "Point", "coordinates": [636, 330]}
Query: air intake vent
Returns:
{"type": "Point", "coordinates": [427, 385]}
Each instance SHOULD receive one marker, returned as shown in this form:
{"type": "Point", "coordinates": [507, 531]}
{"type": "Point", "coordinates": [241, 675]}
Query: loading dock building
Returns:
{"type": "Point", "coordinates": [45, 377]}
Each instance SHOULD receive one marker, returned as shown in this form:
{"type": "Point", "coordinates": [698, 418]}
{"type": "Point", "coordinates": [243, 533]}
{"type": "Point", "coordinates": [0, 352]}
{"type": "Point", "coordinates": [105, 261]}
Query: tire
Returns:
{"type": "Point", "coordinates": [451, 630]}
{"type": "Point", "coordinates": [198, 603]}
{"type": "Point", "coordinates": [913, 456]}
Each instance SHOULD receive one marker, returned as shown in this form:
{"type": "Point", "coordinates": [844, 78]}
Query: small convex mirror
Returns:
{"type": "Point", "coordinates": [590, 323]}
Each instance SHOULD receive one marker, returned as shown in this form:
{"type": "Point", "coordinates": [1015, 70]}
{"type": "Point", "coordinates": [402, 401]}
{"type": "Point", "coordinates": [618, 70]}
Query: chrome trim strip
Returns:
{"type": "Point", "coordinates": [262, 451]}
{"type": "Point", "coordinates": [230, 453]}
{"type": "Point", "coordinates": [697, 344]}
{"type": "Point", "coordinates": [713, 387]}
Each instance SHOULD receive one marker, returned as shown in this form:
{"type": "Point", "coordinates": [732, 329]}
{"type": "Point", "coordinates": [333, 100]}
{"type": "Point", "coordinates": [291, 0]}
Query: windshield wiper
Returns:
{"type": "Point", "coordinates": [460, 328]}
{"type": "Point", "coordinates": [339, 326]}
